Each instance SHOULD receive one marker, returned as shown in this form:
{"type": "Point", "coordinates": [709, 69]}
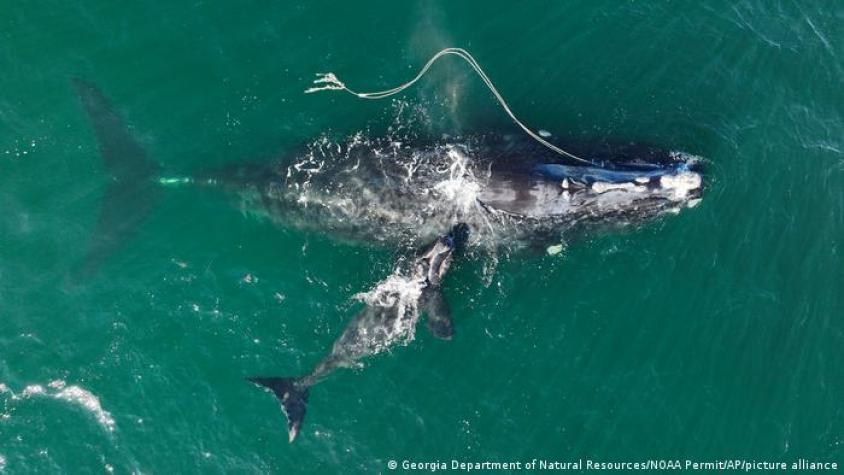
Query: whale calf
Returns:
{"type": "Point", "coordinates": [426, 199]}
{"type": "Point", "coordinates": [377, 326]}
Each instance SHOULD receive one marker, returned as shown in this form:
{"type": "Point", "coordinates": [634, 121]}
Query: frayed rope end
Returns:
{"type": "Point", "coordinates": [326, 82]}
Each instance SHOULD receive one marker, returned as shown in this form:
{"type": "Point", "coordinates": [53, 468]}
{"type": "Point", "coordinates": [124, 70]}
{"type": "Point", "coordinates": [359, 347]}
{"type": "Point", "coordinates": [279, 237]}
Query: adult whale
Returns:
{"type": "Point", "coordinates": [485, 191]}
{"type": "Point", "coordinates": [511, 192]}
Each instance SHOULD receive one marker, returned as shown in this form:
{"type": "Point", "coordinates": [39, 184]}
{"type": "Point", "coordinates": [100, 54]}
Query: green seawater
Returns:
{"type": "Point", "coordinates": [714, 334]}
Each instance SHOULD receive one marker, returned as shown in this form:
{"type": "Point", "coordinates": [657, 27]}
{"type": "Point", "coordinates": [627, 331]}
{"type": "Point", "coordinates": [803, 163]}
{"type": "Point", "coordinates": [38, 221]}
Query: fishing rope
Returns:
{"type": "Point", "coordinates": [330, 82]}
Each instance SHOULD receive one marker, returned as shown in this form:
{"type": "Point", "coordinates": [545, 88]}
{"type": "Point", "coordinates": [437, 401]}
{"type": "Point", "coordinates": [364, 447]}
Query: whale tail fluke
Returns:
{"type": "Point", "coordinates": [293, 396]}
{"type": "Point", "coordinates": [130, 193]}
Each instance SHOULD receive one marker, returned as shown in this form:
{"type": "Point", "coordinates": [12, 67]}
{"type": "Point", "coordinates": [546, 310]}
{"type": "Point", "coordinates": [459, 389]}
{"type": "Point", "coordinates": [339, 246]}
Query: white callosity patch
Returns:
{"type": "Point", "coordinates": [681, 184]}
{"type": "Point", "coordinates": [603, 187]}
{"type": "Point", "coordinates": [59, 390]}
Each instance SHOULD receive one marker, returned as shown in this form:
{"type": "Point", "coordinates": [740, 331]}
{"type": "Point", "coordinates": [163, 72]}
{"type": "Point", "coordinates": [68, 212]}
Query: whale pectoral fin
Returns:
{"type": "Point", "coordinates": [439, 314]}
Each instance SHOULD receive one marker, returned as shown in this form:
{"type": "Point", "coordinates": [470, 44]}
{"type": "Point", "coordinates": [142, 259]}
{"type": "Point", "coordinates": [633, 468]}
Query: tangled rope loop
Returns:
{"type": "Point", "coordinates": [330, 82]}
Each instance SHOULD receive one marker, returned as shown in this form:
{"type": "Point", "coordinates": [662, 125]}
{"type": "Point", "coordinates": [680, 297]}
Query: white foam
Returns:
{"type": "Point", "coordinates": [394, 290]}
{"type": "Point", "coordinates": [403, 294]}
{"type": "Point", "coordinates": [89, 402]}
{"type": "Point", "coordinates": [2, 463]}
{"type": "Point", "coordinates": [32, 389]}
{"type": "Point", "coordinates": [688, 158]}
{"type": "Point", "coordinates": [58, 389]}
{"type": "Point", "coordinates": [460, 187]}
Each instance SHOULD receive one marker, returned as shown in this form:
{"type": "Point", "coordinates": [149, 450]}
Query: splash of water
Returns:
{"type": "Point", "coordinates": [400, 294]}
{"type": "Point", "coordinates": [76, 395]}
{"type": "Point", "coordinates": [461, 188]}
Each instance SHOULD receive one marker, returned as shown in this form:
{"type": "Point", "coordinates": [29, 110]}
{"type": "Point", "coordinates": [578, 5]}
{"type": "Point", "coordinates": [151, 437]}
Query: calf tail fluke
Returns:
{"type": "Point", "coordinates": [293, 396]}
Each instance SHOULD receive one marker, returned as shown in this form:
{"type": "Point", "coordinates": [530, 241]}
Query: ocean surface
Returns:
{"type": "Point", "coordinates": [714, 334]}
